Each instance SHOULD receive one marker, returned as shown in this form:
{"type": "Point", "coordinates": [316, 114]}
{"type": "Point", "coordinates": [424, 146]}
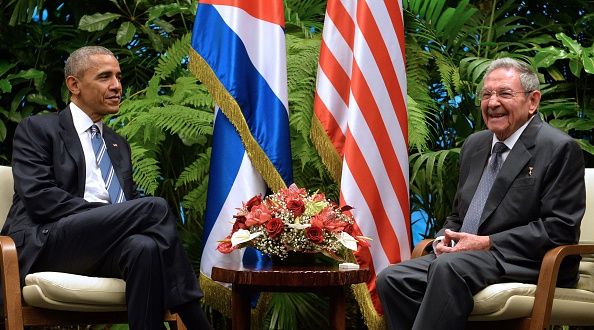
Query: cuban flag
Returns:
{"type": "Point", "coordinates": [238, 52]}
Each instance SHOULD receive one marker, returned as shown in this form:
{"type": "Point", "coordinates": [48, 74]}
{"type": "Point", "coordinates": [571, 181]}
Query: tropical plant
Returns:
{"type": "Point", "coordinates": [143, 30]}
{"type": "Point", "coordinates": [460, 42]}
{"type": "Point", "coordinates": [169, 125]}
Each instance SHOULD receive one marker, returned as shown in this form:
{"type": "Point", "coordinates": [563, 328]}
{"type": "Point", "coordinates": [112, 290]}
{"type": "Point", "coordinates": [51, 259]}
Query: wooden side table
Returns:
{"type": "Point", "coordinates": [320, 279]}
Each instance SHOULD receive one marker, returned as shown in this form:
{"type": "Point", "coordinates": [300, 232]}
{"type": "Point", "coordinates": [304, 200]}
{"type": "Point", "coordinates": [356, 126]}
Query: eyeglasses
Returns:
{"type": "Point", "coordinates": [501, 94]}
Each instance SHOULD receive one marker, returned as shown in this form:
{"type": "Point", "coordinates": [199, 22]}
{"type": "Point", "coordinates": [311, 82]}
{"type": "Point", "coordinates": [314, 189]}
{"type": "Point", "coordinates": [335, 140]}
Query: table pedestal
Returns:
{"type": "Point", "coordinates": [319, 279]}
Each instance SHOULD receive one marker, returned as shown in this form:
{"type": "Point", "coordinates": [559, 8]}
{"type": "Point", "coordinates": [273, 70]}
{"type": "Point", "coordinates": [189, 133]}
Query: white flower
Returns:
{"type": "Point", "coordinates": [348, 241]}
{"type": "Point", "coordinates": [299, 225]}
{"type": "Point", "coordinates": [242, 236]}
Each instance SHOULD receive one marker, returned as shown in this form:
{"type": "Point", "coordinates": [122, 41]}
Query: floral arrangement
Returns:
{"type": "Point", "coordinates": [293, 220]}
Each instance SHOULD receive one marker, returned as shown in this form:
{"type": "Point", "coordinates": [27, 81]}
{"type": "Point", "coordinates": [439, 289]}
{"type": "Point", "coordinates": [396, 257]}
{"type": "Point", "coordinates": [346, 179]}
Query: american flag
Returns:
{"type": "Point", "coordinates": [360, 129]}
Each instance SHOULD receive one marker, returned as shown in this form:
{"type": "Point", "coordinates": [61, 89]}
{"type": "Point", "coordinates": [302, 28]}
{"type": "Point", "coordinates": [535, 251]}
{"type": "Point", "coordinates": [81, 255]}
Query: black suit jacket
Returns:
{"type": "Point", "coordinates": [536, 203]}
{"type": "Point", "coordinates": [49, 179]}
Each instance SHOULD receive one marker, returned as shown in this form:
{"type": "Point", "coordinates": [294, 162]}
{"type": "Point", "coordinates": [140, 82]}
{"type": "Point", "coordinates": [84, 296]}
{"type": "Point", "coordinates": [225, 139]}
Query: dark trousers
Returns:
{"type": "Point", "coordinates": [435, 293]}
{"type": "Point", "coordinates": [137, 241]}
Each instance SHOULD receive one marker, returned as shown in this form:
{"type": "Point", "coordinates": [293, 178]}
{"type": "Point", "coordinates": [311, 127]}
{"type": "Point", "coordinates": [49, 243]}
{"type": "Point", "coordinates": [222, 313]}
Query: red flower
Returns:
{"type": "Point", "coordinates": [314, 234]}
{"type": "Point", "coordinates": [275, 227]}
{"type": "Point", "coordinates": [259, 215]}
{"type": "Point", "coordinates": [349, 229]}
{"type": "Point", "coordinates": [225, 245]}
{"type": "Point", "coordinates": [239, 223]}
{"type": "Point", "coordinates": [296, 206]}
{"type": "Point", "coordinates": [256, 200]}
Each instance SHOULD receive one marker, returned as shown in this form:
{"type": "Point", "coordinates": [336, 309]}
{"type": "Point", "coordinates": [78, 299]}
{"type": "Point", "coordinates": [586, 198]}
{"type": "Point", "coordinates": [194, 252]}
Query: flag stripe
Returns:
{"type": "Point", "coordinates": [238, 53]}
{"type": "Point", "coordinates": [238, 69]}
{"type": "Point", "coordinates": [371, 34]}
{"type": "Point", "coordinates": [329, 121]}
{"type": "Point", "coordinates": [395, 12]}
{"type": "Point", "coordinates": [252, 31]}
{"type": "Point", "coordinates": [270, 11]}
{"type": "Point", "coordinates": [380, 134]}
{"type": "Point", "coordinates": [338, 15]}
{"type": "Point", "coordinates": [338, 77]}
{"type": "Point", "coordinates": [362, 57]}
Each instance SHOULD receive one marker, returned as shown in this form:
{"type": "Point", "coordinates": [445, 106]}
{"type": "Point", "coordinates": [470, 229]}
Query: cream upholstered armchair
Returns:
{"type": "Point", "coordinates": [530, 306]}
{"type": "Point", "coordinates": [52, 298]}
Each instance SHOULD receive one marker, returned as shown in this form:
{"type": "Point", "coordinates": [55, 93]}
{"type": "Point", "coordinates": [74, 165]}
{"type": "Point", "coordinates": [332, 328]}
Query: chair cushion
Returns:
{"type": "Point", "coordinates": [586, 281]}
{"type": "Point", "coordinates": [61, 289]}
{"type": "Point", "coordinates": [513, 300]}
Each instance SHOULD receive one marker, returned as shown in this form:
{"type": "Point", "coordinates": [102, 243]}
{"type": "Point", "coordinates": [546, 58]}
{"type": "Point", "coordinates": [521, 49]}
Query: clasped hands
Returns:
{"type": "Point", "coordinates": [463, 242]}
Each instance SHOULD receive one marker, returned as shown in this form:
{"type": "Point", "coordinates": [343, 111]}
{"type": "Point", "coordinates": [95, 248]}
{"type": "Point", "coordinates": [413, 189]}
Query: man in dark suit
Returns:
{"type": "Point", "coordinates": [66, 218]}
{"type": "Point", "coordinates": [536, 202]}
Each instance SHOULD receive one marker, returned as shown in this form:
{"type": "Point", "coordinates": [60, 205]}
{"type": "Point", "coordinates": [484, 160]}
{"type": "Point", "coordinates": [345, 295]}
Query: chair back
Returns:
{"type": "Point", "coordinates": [587, 227]}
{"type": "Point", "coordinates": [6, 192]}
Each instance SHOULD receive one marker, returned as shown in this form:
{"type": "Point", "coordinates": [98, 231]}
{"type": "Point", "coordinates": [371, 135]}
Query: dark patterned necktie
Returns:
{"type": "Point", "coordinates": [475, 210]}
{"type": "Point", "coordinates": [116, 194]}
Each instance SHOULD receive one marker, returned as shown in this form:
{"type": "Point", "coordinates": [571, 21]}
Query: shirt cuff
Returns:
{"type": "Point", "coordinates": [437, 240]}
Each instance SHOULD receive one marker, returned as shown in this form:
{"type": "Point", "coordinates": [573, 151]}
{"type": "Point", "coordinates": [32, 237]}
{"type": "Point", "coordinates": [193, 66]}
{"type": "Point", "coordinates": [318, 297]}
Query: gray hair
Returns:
{"type": "Point", "coordinates": [528, 77]}
{"type": "Point", "coordinates": [78, 61]}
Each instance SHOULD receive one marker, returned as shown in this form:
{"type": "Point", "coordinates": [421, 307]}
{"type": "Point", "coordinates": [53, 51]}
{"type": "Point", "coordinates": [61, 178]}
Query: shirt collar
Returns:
{"type": "Point", "coordinates": [82, 122]}
{"type": "Point", "coordinates": [512, 139]}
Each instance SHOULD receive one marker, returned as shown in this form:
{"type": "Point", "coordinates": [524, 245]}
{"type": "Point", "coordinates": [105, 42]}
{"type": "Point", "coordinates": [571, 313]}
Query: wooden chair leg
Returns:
{"type": "Point", "coordinates": [13, 315]}
{"type": "Point", "coordinates": [177, 323]}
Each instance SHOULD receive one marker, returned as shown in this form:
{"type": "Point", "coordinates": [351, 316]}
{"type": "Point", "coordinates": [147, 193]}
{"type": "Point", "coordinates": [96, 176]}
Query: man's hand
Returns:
{"type": "Point", "coordinates": [464, 242]}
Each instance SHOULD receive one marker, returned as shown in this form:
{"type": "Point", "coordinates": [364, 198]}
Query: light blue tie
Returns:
{"type": "Point", "coordinates": [116, 194]}
{"type": "Point", "coordinates": [475, 210]}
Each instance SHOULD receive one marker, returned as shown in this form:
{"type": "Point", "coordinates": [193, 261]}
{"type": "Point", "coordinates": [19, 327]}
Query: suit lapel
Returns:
{"type": "Point", "coordinates": [515, 162]}
{"type": "Point", "coordinates": [478, 160]}
{"type": "Point", "coordinates": [73, 147]}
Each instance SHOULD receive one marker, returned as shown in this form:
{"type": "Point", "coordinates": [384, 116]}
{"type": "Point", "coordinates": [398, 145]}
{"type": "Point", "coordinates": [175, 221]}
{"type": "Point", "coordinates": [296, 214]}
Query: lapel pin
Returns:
{"type": "Point", "coordinates": [115, 145]}
{"type": "Point", "coordinates": [530, 170]}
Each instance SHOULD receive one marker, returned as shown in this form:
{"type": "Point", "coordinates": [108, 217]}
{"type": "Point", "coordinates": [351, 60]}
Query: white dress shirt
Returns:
{"type": "Point", "coordinates": [95, 190]}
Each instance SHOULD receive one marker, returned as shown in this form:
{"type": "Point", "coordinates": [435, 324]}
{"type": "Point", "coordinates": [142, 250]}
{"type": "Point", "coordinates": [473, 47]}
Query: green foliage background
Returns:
{"type": "Point", "coordinates": [167, 115]}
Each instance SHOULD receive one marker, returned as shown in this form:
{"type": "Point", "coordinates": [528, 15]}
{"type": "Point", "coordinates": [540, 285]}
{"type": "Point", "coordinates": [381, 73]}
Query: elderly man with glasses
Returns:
{"type": "Point", "coordinates": [520, 193]}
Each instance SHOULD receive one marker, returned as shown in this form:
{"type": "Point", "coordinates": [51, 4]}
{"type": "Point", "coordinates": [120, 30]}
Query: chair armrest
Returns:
{"type": "Point", "coordinates": [422, 248]}
{"type": "Point", "coordinates": [547, 280]}
{"type": "Point", "coordinates": [11, 286]}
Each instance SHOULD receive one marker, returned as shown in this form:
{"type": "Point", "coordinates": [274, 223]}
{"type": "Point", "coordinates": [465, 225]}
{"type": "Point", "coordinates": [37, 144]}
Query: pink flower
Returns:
{"type": "Point", "coordinates": [259, 215]}
{"type": "Point", "coordinates": [225, 245]}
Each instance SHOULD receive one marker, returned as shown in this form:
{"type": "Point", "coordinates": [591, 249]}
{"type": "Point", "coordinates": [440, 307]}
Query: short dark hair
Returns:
{"type": "Point", "coordinates": [78, 61]}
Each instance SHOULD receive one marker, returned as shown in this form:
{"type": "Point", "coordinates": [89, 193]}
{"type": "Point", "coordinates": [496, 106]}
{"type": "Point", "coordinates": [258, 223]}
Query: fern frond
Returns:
{"type": "Point", "coordinates": [146, 169]}
{"type": "Point", "coordinates": [180, 120]}
{"type": "Point", "coordinates": [174, 56]}
{"type": "Point", "coordinates": [187, 91]}
{"type": "Point", "coordinates": [195, 200]}
{"type": "Point", "coordinates": [446, 71]}
{"type": "Point", "coordinates": [195, 172]}
{"type": "Point", "coordinates": [302, 64]}
{"type": "Point", "coordinates": [417, 123]}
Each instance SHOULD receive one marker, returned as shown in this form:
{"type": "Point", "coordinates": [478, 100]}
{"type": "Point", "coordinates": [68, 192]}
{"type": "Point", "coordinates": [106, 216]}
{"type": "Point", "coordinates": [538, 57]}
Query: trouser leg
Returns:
{"type": "Point", "coordinates": [401, 288]}
{"type": "Point", "coordinates": [84, 243]}
{"type": "Point", "coordinates": [452, 281]}
{"type": "Point", "coordinates": [435, 293]}
{"type": "Point", "coordinates": [140, 265]}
